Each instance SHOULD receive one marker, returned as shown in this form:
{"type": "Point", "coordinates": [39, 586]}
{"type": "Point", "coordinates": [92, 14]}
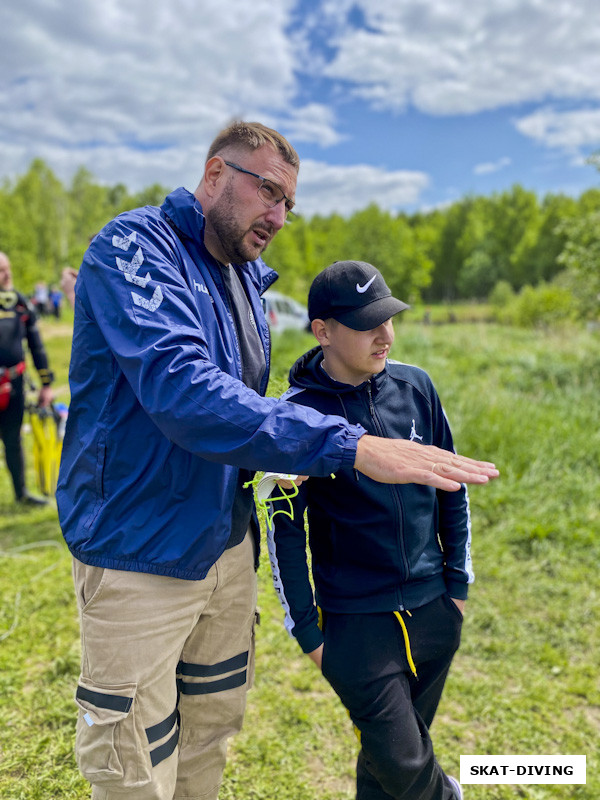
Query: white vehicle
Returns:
{"type": "Point", "coordinates": [284, 313]}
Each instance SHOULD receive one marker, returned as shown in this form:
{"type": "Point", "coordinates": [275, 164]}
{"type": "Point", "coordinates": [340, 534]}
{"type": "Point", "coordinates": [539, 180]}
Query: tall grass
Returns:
{"type": "Point", "coordinates": [525, 680]}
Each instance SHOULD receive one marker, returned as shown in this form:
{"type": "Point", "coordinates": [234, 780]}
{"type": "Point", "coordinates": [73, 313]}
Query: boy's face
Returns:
{"type": "Point", "coordinates": [354, 356]}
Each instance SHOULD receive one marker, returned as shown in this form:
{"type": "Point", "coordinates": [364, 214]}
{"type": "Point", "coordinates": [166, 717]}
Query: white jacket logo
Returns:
{"type": "Point", "coordinates": [130, 271]}
{"type": "Point", "coordinates": [413, 433]}
{"type": "Point", "coordinates": [124, 242]}
{"type": "Point", "coordinates": [153, 303]}
{"type": "Point", "coordinates": [130, 268]}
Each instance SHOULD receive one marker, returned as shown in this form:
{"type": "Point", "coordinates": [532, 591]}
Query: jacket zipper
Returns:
{"type": "Point", "coordinates": [394, 492]}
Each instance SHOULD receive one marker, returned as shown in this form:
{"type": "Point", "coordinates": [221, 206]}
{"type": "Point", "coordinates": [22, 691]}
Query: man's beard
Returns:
{"type": "Point", "coordinates": [228, 231]}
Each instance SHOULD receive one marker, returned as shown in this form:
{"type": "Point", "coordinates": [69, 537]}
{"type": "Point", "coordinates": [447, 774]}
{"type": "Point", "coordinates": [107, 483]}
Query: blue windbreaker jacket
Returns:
{"type": "Point", "coordinates": [160, 421]}
{"type": "Point", "coordinates": [374, 547]}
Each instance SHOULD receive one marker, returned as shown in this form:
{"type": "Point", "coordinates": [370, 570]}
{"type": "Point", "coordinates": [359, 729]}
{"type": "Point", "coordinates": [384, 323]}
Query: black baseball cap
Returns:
{"type": "Point", "coordinates": [355, 294]}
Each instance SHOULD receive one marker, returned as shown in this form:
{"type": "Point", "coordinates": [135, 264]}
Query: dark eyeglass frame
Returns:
{"type": "Point", "coordinates": [289, 204]}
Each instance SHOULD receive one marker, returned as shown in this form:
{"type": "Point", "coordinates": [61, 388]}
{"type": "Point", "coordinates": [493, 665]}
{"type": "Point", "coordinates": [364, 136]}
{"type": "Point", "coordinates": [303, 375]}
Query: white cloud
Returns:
{"type": "Point", "coordinates": [324, 188]}
{"type": "Point", "coordinates": [312, 123]}
{"type": "Point", "coordinates": [488, 167]}
{"type": "Point", "coordinates": [142, 74]}
{"type": "Point", "coordinates": [568, 130]}
{"type": "Point", "coordinates": [458, 57]}
{"type": "Point", "coordinates": [136, 90]}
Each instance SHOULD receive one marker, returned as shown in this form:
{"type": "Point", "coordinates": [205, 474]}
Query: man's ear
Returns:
{"type": "Point", "coordinates": [320, 331]}
{"type": "Point", "coordinates": [214, 172]}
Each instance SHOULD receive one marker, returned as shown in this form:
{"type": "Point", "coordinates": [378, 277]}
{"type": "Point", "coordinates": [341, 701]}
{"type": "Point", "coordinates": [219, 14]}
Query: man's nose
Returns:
{"type": "Point", "coordinates": [276, 215]}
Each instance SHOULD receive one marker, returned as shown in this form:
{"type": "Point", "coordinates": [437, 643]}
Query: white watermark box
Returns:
{"type": "Point", "coordinates": [522, 769]}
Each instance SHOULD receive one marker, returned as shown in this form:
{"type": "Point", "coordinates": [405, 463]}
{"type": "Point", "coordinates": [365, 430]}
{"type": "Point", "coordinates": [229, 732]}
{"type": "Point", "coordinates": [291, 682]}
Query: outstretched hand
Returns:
{"type": "Point", "coordinates": [403, 461]}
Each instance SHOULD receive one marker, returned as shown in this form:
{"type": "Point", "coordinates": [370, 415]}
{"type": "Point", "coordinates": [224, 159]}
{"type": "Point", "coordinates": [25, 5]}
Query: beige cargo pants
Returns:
{"type": "Point", "coordinates": [166, 664]}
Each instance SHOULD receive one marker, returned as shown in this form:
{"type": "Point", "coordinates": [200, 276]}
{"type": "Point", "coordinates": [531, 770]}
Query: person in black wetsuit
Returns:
{"type": "Point", "coordinates": [18, 322]}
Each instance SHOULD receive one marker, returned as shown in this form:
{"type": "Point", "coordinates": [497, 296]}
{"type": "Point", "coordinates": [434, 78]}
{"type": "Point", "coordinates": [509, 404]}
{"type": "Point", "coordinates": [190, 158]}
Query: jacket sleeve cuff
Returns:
{"type": "Point", "coordinates": [46, 376]}
{"type": "Point", "coordinates": [457, 589]}
{"type": "Point", "coordinates": [349, 454]}
{"type": "Point", "coordinates": [309, 639]}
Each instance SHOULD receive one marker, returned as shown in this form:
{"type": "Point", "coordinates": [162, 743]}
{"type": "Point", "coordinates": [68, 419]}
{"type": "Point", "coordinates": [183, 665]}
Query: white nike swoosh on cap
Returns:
{"type": "Point", "coordinates": [362, 289]}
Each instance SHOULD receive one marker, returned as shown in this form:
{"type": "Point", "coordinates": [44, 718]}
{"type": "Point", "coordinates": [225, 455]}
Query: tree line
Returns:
{"type": "Point", "coordinates": [480, 247]}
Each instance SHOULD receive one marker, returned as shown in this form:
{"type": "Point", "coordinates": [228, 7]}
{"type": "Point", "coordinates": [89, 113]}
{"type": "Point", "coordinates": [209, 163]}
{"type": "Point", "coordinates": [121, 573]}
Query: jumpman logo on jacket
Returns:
{"type": "Point", "coordinates": [413, 433]}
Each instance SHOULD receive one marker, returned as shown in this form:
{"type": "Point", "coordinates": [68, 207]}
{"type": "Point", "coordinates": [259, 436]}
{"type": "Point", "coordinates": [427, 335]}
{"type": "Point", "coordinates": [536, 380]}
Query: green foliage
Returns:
{"type": "Point", "coordinates": [543, 253]}
{"type": "Point", "coordinates": [509, 236]}
{"type": "Point", "coordinates": [525, 680]}
{"type": "Point", "coordinates": [501, 295]}
{"type": "Point", "coordinates": [581, 257]}
{"type": "Point", "coordinates": [581, 251]}
{"type": "Point", "coordinates": [304, 248]}
{"type": "Point", "coordinates": [45, 226]}
{"type": "Point", "coordinates": [477, 275]}
{"type": "Point", "coordinates": [33, 227]}
{"type": "Point", "coordinates": [89, 211]}
{"type": "Point", "coordinates": [543, 305]}
{"type": "Point", "coordinates": [455, 253]}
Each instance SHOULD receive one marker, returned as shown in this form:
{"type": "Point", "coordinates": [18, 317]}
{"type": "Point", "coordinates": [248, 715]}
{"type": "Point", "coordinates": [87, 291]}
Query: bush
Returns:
{"type": "Point", "coordinates": [542, 306]}
{"type": "Point", "coordinates": [501, 295]}
{"type": "Point", "coordinates": [581, 257]}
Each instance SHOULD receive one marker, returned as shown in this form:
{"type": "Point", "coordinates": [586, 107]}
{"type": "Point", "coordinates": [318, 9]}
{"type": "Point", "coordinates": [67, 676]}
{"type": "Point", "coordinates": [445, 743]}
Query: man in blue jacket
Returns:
{"type": "Point", "coordinates": [168, 419]}
{"type": "Point", "coordinates": [391, 564]}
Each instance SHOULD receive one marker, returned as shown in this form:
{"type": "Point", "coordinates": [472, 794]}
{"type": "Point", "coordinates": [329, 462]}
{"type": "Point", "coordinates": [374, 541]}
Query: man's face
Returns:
{"type": "Point", "coordinates": [239, 224]}
{"type": "Point", "coordinates": [354, 356]}
{"type": "Point", "coordinates": [5, 273]}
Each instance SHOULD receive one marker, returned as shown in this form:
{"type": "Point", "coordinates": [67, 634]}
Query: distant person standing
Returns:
{"type": "Point", "coordinates": [18, 322]}
{"type": "Point", "coordinates": [41, 298]}
{"type": "Point", "coordinates": [55, 301]}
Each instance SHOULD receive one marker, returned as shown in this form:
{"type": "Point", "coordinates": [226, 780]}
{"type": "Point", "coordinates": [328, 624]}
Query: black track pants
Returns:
{"type": "Point", "coordinates": [11, 420]}
{"type": "Point", "coordinates": [365, 660]}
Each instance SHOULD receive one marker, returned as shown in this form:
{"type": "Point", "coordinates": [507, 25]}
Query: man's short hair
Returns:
{"type": "Point", "coordinates": [251, 136]}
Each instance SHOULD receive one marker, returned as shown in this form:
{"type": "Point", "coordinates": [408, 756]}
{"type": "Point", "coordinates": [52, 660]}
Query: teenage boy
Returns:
{"type": "Point", "coordinates": [390, 564]}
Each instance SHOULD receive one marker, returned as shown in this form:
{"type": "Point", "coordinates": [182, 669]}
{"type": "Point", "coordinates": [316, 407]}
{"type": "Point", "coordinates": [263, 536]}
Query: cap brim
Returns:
{"type": "Point", "coordinates": [372, 315]}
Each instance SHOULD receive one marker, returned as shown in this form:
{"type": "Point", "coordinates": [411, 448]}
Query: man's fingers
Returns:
{"type": "Point", "coordinates": [451, 465]}
{"type": "Point", "coordinates": [430, 478]}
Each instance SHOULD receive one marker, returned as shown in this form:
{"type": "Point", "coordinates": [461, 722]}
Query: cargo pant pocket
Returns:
{"type": "Point", "coordinates": [111, 744]}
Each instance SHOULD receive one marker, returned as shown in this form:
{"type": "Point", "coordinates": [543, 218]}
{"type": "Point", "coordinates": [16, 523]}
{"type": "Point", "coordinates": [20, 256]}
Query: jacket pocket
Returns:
{"type": "Point", "coordinates": [111, 745]}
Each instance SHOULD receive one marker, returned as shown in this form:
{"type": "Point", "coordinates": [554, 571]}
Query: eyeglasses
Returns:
{"type": "Point", "coordinates": [269, 192]}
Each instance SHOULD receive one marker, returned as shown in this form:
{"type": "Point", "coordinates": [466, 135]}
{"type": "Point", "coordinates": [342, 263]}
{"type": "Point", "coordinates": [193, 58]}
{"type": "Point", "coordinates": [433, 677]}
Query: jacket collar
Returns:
{"type": "Point", "coordinates": [185, 214]}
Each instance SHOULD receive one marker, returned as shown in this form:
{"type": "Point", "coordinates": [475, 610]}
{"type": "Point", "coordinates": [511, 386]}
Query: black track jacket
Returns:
{"type": "Point", "coordinates": [375, 547]}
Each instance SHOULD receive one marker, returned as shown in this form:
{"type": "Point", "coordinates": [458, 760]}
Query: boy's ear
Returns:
{"type": "Point", "coordinates": [319, 329]}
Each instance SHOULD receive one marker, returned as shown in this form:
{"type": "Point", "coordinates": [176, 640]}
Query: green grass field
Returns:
{"type": "Point", "coordinates": [525, 680]}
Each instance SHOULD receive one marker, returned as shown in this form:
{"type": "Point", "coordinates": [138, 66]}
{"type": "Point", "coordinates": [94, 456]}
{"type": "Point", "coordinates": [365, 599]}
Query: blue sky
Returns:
{"type": "Point", "coordinates": [408, 103]}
